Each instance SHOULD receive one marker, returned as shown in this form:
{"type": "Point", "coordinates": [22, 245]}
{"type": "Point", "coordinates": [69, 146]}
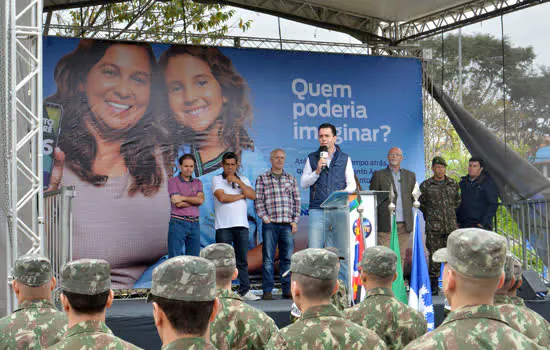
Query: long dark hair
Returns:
{"type": "Point", "coordinates": [80, 147]}
{"type": "Point", "coordinates": [236, 114]}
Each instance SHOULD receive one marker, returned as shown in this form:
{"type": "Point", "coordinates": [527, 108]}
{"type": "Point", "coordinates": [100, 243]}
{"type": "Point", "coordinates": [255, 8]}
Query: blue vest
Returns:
{"type": "Point", "coordinates": [332, 178]}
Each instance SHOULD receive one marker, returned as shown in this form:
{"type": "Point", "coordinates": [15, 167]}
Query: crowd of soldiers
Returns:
{"type": "Point", "coordinates": [194, 307]}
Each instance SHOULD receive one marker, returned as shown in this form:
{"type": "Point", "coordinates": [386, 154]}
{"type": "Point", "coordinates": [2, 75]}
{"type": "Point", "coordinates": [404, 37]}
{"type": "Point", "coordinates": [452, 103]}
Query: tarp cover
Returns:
{"type": "Point", "coordinates": [516, 177]}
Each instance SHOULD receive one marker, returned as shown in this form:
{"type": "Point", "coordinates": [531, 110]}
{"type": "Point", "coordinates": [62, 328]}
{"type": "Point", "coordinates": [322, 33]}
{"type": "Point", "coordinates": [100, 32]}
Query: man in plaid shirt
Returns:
{"type": "Point", "coordinates": [278, 205]}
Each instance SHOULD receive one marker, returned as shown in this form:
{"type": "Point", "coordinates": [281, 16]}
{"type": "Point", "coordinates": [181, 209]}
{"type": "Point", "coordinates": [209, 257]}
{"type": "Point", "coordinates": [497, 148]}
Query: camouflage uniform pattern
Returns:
{"type": "Point", "coordinates": [395, 323]}
{"type": "Point", "coordinates": [315, 262]}
{"type": "Point", "coordinates": [524, 320]}
{"type": "Point", "coordinates": [473, 327]}
{"type": "Point", "coordinates": [220, 254]}
{"type": "Point", "coordinates": [39, 319]}
{"type": "Point", "coordinates": [518, 301]}
{"type": "Point", "coordinates": [340, 298]}
{"type": "Point", "coordinates": [474, 252]}
{"type": "Point", "coordinates": [240, 326]}
{"type": "Point", "coordinates": [36, 323]}
{"type": "Point", "coordinates": [438, 203]}
{"type": "Point", "coordinates": [185, 278]}
{"type": "Point", "coordinates": [324, 327]}
{"type": "Point", "coordinates": [379, 260]}
{"type": "Point", "coordinates": [481, 254]}
{"type": "Point", "coordinates": [89, 335]}
{"type": "Point", "coordinates": [32, 270]}
{"type": "Point", "coordinates": [86, 276]}
{"type": "Point", "coordinates": [189, 344]}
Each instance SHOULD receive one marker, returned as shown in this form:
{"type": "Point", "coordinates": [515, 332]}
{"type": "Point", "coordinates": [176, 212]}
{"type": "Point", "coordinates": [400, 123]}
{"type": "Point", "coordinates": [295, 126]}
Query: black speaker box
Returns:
{"type": "Point", "coordinates": [532, 285]}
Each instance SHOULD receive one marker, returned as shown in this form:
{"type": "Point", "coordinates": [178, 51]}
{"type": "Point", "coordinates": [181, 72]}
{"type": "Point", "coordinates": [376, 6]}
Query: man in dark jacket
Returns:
{"type": "Point", "coordinates": [479, 196]}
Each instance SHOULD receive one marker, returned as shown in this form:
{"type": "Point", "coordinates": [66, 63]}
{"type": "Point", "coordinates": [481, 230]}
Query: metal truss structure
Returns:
{"type": "Point", "coordinates": [255, 43]}
{"type": "Point", "coordinates": [20, 129]}
{"type": "Point", "coordinates": [373, 30]}
{"type": "Point", "coordinates": [21, 198]}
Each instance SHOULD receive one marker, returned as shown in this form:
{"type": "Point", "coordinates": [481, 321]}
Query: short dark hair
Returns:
{"type": "Point", "coordinates": [87, 304]}
{"type": "Point", "coordinates": [314, 288]}
{"type": "Point", "coordinates": [187, 156]}
{"type": "Point", "coordinates": [230, 155]}
{"type": "Point", "coordinates": [186, 317]}
{"type": "Point", "coordinates": [477, 159]}
{"type": "Point", "coordinates": [327, 126]}
{"type": "Point", "coordinates": [224, 274]}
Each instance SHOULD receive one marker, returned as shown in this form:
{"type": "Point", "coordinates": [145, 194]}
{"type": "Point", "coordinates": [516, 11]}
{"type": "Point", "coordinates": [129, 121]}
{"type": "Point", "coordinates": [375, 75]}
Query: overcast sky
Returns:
{"type": "Point", "coordinates": [529, 27]}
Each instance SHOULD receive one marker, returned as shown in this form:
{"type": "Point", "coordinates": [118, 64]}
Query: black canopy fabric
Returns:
{"type": "Point", "coordinates": [515, 176]}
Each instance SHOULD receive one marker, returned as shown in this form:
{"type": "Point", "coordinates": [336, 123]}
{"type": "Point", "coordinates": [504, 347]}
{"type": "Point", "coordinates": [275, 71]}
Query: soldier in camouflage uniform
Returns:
{"type": "Point", "coordinates": [518, 276]}
{"type": "Point", "coordinates": [183, 293]}
{"type": "Point", "coordinates": [395, 323]}
{"type": "Point", "coordinates": [237, 325]}
{"type": "Point", "coordinates": [474, 270]}
{"type": "Point", "coordinates": [522, 319]}
{"type": "Point", "coordinates": [439, 200]}
{"type": "Point", "coordinates": [86, 288]}
{"type": "Point", "coordinates": [322, 326]}
{"type": "Point", "coordinates": [340, 299]}
{"type": "Point", "coordinates": [35, 321]}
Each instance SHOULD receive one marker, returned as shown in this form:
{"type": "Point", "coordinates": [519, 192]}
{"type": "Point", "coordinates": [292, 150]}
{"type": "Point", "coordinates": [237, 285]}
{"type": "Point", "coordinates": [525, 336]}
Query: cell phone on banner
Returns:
{"type": "Point", "coordinates": [51, 129]}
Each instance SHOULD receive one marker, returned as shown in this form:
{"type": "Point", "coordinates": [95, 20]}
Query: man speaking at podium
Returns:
{"type": "Point", "coordinates": [327, 170]}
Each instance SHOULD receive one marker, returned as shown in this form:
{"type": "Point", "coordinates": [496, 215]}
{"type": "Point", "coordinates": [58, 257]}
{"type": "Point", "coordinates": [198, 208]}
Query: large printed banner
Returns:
{"type": "Point", "coordinates": [117, 115]}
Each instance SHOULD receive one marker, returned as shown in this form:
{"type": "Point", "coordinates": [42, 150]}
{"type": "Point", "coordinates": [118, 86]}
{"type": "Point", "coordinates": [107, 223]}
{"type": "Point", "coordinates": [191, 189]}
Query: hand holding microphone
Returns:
{"type": "Point", "coordinates": [323, 157]}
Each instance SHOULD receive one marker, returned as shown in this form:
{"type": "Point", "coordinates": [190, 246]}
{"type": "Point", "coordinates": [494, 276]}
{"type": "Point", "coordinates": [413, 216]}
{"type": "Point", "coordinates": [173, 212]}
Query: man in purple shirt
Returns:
{"type": "Point", "coordinates": [186, 195]}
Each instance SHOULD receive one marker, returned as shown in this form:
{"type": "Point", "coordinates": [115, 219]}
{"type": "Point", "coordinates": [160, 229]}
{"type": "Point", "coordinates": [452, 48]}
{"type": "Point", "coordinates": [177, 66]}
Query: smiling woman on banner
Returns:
{"type": "Point", "coordinates": [107, 149]}
{"type": "Point", "coordinates": [211, 113]}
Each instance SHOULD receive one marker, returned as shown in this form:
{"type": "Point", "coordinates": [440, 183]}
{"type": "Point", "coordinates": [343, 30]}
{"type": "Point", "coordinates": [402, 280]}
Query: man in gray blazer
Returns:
{"type": "Point", "coordinates": [403, 182]}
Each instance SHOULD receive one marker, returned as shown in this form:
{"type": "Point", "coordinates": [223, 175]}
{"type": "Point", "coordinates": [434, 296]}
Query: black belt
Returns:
{"type": "Point", "coordinates": [186, 218]}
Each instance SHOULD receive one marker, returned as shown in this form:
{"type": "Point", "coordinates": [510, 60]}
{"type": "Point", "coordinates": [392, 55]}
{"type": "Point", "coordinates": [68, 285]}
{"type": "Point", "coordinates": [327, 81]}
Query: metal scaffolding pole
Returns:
{"type": "Point", "coordinates": [22, 131]}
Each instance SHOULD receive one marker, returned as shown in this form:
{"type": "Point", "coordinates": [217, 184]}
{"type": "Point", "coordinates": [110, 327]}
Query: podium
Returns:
{"type": "Point", "coordinates": [342, 221]}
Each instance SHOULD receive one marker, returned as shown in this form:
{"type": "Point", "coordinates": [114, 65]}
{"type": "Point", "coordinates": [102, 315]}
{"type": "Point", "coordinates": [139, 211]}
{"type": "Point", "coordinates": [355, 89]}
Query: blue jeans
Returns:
{"type": "Point", "coordinates": [183, 238]}
{"type": "Point", "coordinates": [316, 234]}
{"type": "Point", "coordinates": [330, 228]}
{"type": "Point", "coordinates": [276, 234]}
{"type": "Point", "coordinates": [238, 236]}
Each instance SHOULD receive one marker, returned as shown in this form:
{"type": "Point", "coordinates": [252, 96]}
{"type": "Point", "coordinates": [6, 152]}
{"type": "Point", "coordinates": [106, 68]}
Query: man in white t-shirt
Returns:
{"type": "Point", "coordinates": [231, 222]}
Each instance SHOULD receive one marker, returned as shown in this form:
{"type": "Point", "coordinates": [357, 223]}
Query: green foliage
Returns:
{"type": "Point", "coordinates": [513, 103]}
{"type": "Point", "coordinates": [176, 21]}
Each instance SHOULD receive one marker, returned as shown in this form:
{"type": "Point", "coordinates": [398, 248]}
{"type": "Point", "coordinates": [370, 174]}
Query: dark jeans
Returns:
{"type": "Point", "coordinates": [276, 234]}
{"type": "Point", "coordinates": [183, 238]}
{"type": "Point", "coordinates": [238, 236]}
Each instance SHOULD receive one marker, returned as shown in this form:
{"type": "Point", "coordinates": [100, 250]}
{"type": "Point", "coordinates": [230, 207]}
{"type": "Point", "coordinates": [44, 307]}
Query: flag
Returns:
{"type": "Point", "coordinates": [420, 294]}
{"type": "Point", "coordinates": [398, 286]}
{"type": "Point", "coordinates": [359, 247]}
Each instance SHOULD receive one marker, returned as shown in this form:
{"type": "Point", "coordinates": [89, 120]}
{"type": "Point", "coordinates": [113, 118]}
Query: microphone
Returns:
{"type": "Point", "coordinates": [323, 153]}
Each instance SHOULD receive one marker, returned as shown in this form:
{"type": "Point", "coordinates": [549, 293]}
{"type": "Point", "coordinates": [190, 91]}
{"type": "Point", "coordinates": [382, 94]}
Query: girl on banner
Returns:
{"type": "Point", "coordinates": [211, 112]}
{"type": "Point", "coordinates": [108, 148]}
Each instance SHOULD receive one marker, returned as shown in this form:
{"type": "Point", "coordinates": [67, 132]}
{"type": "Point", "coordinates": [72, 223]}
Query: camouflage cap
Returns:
{"type": "Point", "coordinates": [474, 252]}
{"type": "Point", "coordinates": [185, 278]}
{"type": "Point", "coordinates": [32, 270]}
{"type": "Point", "coordinates": [86, 276]}
{"type": "Point", "coordinates": [335, 251]}
{"type": "Point", "coordinates": [439, 160]}
{"type": "Point", "coordinates": [379, 260]}
{"type": "Point", "coordinates": [314, 262]}
{"type": "Point", "coordinates": [517, 269]}
{"type": "Point", "coordinates": [509, 268]}
{"type": "Point", "coordinates": [221, 254]}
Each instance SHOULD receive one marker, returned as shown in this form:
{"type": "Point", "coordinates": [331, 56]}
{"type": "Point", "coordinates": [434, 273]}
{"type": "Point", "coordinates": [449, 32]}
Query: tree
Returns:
{"type": "Point", "coordinates": [512, 102]}
{"type": "Point", "coordinates": [176, 21]}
